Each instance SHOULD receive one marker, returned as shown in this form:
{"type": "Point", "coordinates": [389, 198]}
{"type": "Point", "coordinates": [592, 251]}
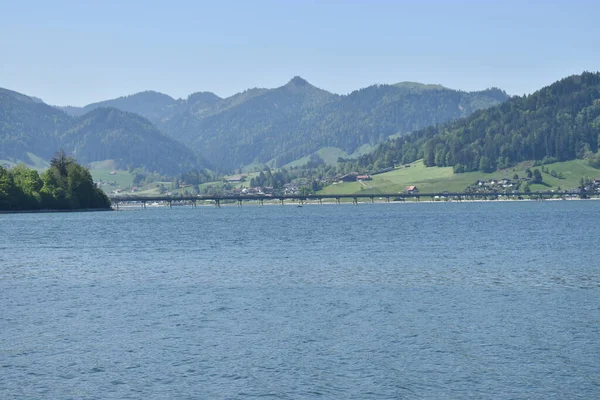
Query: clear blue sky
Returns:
{"type": "Point", "coordinates": [77, 52]}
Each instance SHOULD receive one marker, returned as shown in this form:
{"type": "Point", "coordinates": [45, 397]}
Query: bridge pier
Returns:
{"type": "Point", "coordinates": [239, 201]}
{"type": "Point", "coordinates": [260, 201]}
{"type": "Point", "coordinates": [218, 203]}
{"type": "Point", "coordinates": [355, 200]}
{"type": "Point", "coordinates": [337, 200]}
{"type": "Point", "coordinates": [144, 204]}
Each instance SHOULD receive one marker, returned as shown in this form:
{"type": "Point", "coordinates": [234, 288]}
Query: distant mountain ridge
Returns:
{"type": "Point", "coordinates": [297, 119]}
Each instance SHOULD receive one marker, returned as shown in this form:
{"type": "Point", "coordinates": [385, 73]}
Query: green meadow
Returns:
{"type": "Point", "coordinates": [436, 179]}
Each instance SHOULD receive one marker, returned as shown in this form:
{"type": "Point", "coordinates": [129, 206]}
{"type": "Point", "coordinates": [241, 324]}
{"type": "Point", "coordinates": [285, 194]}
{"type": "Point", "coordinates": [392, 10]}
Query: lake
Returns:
{"type": "Point", "coordinates": [385, 301]}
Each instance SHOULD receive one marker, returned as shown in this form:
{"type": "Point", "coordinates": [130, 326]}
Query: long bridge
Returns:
{"type": "Point", "coordinates": [217, 200]}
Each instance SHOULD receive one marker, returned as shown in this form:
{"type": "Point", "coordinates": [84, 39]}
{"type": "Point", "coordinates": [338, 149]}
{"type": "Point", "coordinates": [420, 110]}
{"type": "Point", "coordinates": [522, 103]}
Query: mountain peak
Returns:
{"type": "Point", "coordinates": [205, 97]}
{"type": "Point", "coordinates": [298, 81]}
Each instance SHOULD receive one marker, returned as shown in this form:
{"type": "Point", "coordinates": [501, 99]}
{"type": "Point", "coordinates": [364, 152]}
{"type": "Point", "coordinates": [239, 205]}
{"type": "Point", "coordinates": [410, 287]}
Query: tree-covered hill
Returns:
{"type": "Point", "coordinates": [257, 125]}
{"type": "Point", "coordinates": [127, 138]}
{"type": "Point", "coordinates": [557, 123]}
{"type": "Point", "coordinates": [29, 126]}
{"type": "Point", "coordinates": [298, 119]}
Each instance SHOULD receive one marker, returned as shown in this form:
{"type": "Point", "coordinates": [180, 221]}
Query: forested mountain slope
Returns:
{"type": "Point", "coordinates": [298, 119]}
{"type": "Point", "coordinates": [28, 126]}
{"type": "Point", "coordinates": [129, 139]}
{"type": "Point", "coordinates": [559, 122]}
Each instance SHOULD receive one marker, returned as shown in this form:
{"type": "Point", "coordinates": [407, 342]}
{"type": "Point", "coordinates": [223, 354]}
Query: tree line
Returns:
{"type": "Point", "coordinates": [65, 185]}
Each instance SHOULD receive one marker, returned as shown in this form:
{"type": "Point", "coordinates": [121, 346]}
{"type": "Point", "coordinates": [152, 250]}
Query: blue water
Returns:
{"type": "Point", "coordinates": [384, 301]}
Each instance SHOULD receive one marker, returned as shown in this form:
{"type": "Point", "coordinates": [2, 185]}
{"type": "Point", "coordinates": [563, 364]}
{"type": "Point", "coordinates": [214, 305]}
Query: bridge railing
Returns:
{"type": "Point", "coordinates": [238, 198]}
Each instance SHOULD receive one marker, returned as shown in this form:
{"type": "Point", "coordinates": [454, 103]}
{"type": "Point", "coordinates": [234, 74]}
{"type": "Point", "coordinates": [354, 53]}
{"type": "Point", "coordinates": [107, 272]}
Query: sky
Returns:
{"type": "Point", "coordinates": [78, 52]}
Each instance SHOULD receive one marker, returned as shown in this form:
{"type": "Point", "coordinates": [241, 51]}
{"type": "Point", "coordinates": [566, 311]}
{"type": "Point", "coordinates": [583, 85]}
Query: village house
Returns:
{"type": "Point", "coordinates": [290, 188]}
{"type": "Point", "coordinates": [364, 177]}
{"type": "Point", "coordinates": [348, 178]}
{"type": "Point", "coordinates": [411, 189]}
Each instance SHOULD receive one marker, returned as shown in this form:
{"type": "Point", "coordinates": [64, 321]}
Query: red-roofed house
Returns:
{"type": "Point", "coordinates": [411, 189]}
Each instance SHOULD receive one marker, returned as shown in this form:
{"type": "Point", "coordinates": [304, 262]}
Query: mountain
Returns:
{"type": "Point", "coordinates": [296, 120]}
{"type": "Point", "coordinates": [557, 123]}
{"type": "Point", "coordinates": [28, 126]}
{"type": "Point", "coordinates": [256, 125]}
{"type": "Point", "coordinates": [130, 139]}
{"type": "Point", "coordinates": [373, 114]}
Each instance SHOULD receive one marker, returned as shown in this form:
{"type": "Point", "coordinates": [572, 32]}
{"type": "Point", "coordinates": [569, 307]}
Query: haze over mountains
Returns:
{"type": "Point", "coordinates": [281, 125]}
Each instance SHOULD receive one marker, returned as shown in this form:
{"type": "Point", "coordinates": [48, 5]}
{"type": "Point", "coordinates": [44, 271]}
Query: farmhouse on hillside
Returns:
{"type": "Point", "coordinates": [348, 178]}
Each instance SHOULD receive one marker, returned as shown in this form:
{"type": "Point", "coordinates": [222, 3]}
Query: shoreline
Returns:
{"type": "Point", "coordinates": [54, 211]}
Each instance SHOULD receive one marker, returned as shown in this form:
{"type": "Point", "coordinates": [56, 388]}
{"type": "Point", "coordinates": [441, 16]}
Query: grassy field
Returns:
{"type": "Point", "coordinates": [437, 180]}
{"type": "Point", "coordinates": [120, 180]}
